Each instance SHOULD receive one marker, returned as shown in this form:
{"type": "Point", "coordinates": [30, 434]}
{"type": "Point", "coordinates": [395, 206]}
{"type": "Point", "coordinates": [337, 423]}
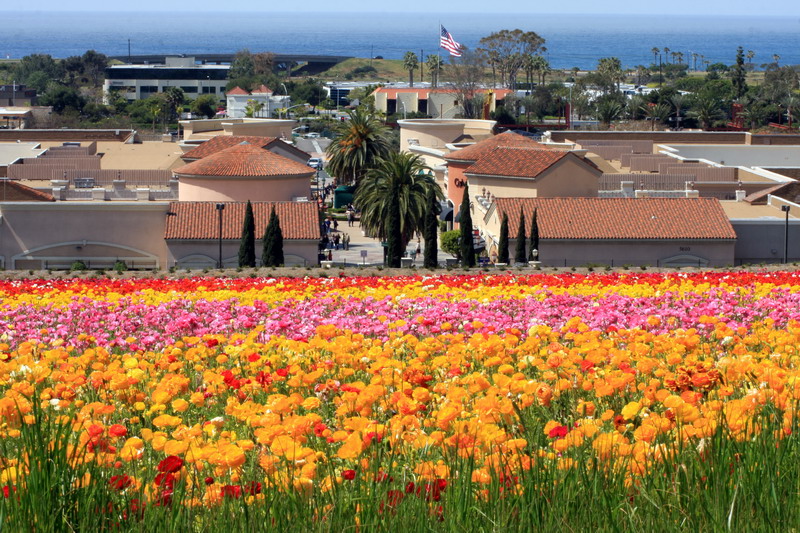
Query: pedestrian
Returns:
{"type": "Point", "coordinates": [349, 217]}
{"type": "Point", "coordinates": [335, 224]}
{"type": "Point", "coordinates": [346, 241]}
{"type": "Point", "coordinates": [330, 255]}
{"type": "Point", "coordinates": [336, 241]}
{"type": "Point", "coordinates": [327, 225]}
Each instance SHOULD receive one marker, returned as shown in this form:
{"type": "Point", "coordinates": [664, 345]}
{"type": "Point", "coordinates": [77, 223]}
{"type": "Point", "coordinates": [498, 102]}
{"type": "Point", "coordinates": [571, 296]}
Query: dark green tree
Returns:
{"type": "Point", "coordinates": [394, 235]}
{"type": "Point", "coordinates": [519, 254]}
{"type": "Point", "coordinates": [205, 105]}
{"type": "Point", "coordinates": [465, 221]}
{"type": "Point", "coordinates": [534, 235]}
{"type": "Point", "coordinates": [61, 97]}
{"type": "Point", "coordinates": [431, 230]}
{"type": "Point", "coordinates": [272, 250]}
{"type": "Point", "coordinates": [247, 248]}
{"type": "Point", "coordinates": [243, 65]}
{"type": "Point", "coordinates": [502, 246]}
{"type": "Point", "coordinates": [738, 74]}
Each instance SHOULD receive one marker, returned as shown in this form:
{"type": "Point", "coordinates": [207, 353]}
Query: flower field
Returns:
{"type": "Point", "coordinates": [425, 403]}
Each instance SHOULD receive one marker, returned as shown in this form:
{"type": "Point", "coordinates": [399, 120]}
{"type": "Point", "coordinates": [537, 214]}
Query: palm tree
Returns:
{"type": "Point", "coordinates": [435, 65]}
{"type": "Point", "coordinates": [655, 112]}
{"type": "Point", "coordinates": [542, 67]}
{"type": "Point", "coordinates": [357, 146]}
{"type": "Point", "coordinates": [666, 53]}
{"type": "Point", "coordinates": [679, 102]}
{"type": "Point", "coordinates": [410, 63]}
{"type": "Point", "coordinates": [399, 183]}
{"type": "Point", "coordinates": [607, 111]}
{"type": "Point", "coordinates": [655, 52]}
{"type": "Point", "coordinates": [750, 55]}
{"type": "Point", "coordinates": [706, 110]}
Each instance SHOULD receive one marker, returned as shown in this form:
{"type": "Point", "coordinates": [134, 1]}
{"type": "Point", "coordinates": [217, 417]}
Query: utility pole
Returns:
{"type": "Point", "coordinates": [421, 62]}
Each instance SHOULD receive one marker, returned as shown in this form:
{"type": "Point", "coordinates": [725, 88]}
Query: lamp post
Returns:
{"type": "Point", "coordinates": [785, 209]}
{"type": "Point", "coordinates": [220, 209]}
{"type": "Point", "coordinates": [400, 101]}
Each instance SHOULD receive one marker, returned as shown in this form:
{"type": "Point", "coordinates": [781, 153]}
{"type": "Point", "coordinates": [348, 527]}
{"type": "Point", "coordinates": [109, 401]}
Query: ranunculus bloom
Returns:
{"type": "Point", "coordinates": [170, 464]}
{"type": "Point", "coordinates": [349, 474]}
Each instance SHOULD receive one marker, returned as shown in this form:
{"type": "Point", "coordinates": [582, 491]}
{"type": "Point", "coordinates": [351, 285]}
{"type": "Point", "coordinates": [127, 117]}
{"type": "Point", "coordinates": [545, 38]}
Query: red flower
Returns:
{"type": "Point", "coordinates": [171, 464]}
{"type": "Point", "coordinates": [209, 480]}
{"type": "Point", "coordinates": [117, 430]}
{"type": "Point", "coordinates": [165, 480]}
{"type": "Point", "coordinates": [349, 475]}
{"type": "Point", "coordinates": [232, 491]}
{"type": "Point", "coordinates": [120, 482]}
{"type": "Point", "coordinates": [253, 488]}
{"type": "Point", "coordinates": [8, 490]}
{"type": "Point", "coordinates": [558, 432]}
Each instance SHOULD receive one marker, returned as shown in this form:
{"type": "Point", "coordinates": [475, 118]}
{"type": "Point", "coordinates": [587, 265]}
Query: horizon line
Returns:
{"type": "Point", "coordinates": [338, 12]}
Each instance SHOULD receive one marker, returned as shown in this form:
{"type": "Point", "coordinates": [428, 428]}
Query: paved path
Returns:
{"type": "Point", "coordinates": [374, 251]}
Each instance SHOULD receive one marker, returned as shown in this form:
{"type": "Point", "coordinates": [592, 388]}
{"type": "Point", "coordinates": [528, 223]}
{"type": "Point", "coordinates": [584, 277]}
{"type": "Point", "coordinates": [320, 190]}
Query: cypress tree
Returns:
{"type": "Point", "coordinates": [465, 221]}
{"type": "Point", "coordinates": [247, 248]}
{"type": "Point", "coordinates": [394, 238]}
{"type": "Point", "coordinates": [431, 230]}
{"type": "Point", "coordinates": [534, 235]}
{"type": "Point", "coordinates": [519, 254]}
{"type": "Point", "coordinates": [502, 252]}
{"type": "Point", "coordinates": [272, 251]}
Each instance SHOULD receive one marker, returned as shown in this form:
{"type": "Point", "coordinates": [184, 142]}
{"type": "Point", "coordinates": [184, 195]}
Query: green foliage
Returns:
{"type": "Point", "coordinates": [205, 105]}
{"type": "Point", "coordinates": [465, 223]}
{"type": "Point", "coordinates": [272, 251]}
{"type": "Point", "coordinates": [431, 230]}
{"type": "Point", "coordinates": [61, 98]}
{"type": "Point", "coordinates": [357, 146]}
{"type": "Point", "coordinates": [534, 245]}
{"type": "Point", "coordinates": [502, 246]}
{"type": "Point", "coordinates": [738, 74]}
{"type": "Point", "coordinates": [247, 246]}
{"type": "Point", "coordinates": [242, 65]}
{"type": "Point", "coordinates": [37, 70]}
{"type": "Point", "coordinates": [451, 242]}
{"type": "Point", "coordinates": [519, 252]}
{"type": "Point", "coordinates": [120, 266]}
{"type": "Point", "coordinates": [405, 177]}
{"type": "Point", "coordinates": [393, 227]}
{"type": "Point", "coordinates": [410, 63]}
{"type": "Point", "coordinates": [77, 266]}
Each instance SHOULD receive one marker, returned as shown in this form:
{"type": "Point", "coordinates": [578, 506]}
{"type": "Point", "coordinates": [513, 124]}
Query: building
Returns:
{"type": "Point", "coordinates": [435, 102]}
{"type": "Point", "coordinates": [241, 173]}
{"type": "Point", "coordinates": [136, 82]}
{"type": "Point", "coordinates": [221, 142]}
{"type": "Point", "coordinates": [16, 95]}
{"type": "Point", "coordinates": [665, 232]}
{"type": "Point", "coordinates": [261, 101]}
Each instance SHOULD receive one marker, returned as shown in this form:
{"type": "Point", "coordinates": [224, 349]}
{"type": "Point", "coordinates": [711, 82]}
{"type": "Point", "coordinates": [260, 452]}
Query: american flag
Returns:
{"type": "Point", "coordinates": [447, 42]}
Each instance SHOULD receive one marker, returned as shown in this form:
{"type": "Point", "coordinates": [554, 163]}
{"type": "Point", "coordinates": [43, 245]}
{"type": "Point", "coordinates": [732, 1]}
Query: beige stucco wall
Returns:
{"type": "Point", "coordinates": [41, 235]}
{"type": "Point", "coordinates": [205, 254]}
{"type": "Point", "coordinates": [239, 126]}
{"type": "Point", "coordinates": [567, 178]}
{"type": "Point", "coordinates": [195, 189]}
{"type": "Point", "coordinates": [429, 133]}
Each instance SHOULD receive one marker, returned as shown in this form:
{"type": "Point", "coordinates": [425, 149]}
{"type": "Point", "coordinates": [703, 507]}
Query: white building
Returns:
{"type": "Point", "coordinates": [271, 104]}
{"type": "Point", "coordinates": [136, 82]}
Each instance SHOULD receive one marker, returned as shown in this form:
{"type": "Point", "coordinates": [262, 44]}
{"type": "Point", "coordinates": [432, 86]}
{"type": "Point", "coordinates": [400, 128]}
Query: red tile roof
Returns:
{"type": "Point", "coordinates": [478, 150]}
{"type": "Point", "coordinates": [14, 191]}
{"type": "Point", "coordinates": [621, 218]}
{"type": "Point", "coordinates": [517, 161]}
{"type": "Point", "coordinates": [261, 89]}
{"type": "Point", "coordinates": [244, 160]}
{"type": "Point", "coordinates": [237, 91]}
{"type": "Point", "coordinates": [200, 220]}
{"type": "Point", "coordinates": [220, 142]}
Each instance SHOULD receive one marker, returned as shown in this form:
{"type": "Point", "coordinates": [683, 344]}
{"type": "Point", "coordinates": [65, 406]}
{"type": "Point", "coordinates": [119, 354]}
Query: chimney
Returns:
{"type": "Point", "coordinates": [627, 189]}
{"type": "Point", "coordinates": [740, 194]}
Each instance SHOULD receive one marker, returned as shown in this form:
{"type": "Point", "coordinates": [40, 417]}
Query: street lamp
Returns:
{"type": "Point", "coordinates": [220, 209]}
{"type": "Point", "coordinates": [400, 101]}
{"type": "Point", "coordinates": [785, 209]}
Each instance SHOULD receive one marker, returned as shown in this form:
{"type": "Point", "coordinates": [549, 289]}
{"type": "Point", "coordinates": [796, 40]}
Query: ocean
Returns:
{"type": "Point", "coordinates": [571, 40]}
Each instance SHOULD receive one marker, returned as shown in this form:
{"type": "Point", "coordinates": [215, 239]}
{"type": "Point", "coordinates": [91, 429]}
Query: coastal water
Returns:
{"type": "Point", "coordinates": [572, 40]}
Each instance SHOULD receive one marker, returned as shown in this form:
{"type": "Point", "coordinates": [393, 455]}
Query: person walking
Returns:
{"type": "Point", "coordinates": [349, 217]}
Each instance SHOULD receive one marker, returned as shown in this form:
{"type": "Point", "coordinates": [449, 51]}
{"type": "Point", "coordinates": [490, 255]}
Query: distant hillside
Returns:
{"type": "Point", "coordinates": [362, 69]}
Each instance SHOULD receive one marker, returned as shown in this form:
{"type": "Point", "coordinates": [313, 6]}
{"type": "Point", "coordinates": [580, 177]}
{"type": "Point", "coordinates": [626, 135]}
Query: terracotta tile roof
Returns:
{"type": "Point", "coordinates": [244, 160]}
{"type": "Point", "coordinates": [14, 191]}
{"type": "Point", "coordinates": [621, 218]}
{"type": "Point", "coordinates": [220, 142]}
{"type": "Point", "coordinates": [200, 220]}
{"type": "Point", "coordinates": [478, 150]}
{"type": "Point", "coordinates": [520, 161]}
{"type": "Point", "coordinates": [237, 91]}
{"type": "Point", "coordinates": [261, 89]}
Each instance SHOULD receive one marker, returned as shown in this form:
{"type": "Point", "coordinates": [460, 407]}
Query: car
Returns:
{"type": "Point", "coordinates": [315, 162]}
{"type": "Point", "coordinates": [312, 135]}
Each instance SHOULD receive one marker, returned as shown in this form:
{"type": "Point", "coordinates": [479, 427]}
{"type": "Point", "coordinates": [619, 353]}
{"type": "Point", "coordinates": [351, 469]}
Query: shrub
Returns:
{"type": "Point", "coordinates": [77, 266]}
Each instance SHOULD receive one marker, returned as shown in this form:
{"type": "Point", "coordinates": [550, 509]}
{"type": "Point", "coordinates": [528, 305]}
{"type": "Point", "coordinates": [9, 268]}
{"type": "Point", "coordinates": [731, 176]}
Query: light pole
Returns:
{"type": "Point", "coordinates": [785, 209]}
{"type": "Point", "coordinates": [220, 209]}
{"type": "Point", "coordinates": [400, 101]}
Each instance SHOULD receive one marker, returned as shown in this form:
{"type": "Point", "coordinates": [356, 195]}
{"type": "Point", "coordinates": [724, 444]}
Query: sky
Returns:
{"type": "Point", "coordinates": [776, 8]}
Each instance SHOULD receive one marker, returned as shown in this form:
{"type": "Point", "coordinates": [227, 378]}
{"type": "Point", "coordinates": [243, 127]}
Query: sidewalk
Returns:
{"type": "Point", "coordinates": [374, 251]}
